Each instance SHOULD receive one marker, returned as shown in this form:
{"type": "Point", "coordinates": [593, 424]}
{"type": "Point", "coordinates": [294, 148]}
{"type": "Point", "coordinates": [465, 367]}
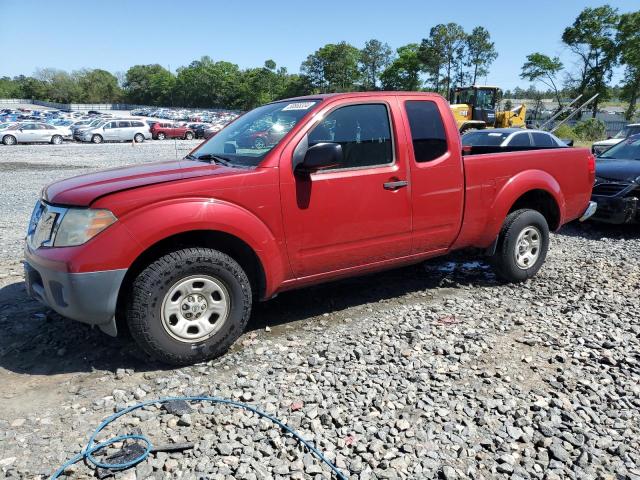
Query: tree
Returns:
{"type": "Point", "coordinates": [443, 56]}
{"type": "Point", "coordinates": [149, 85]}
{"type": "Point", "coordinates": [592, 39]}
{"type": "Point", "coordinates": [59, 86]}
{"type": "Point", "coordinates": [9, 88]}
{"type": "Point", "coordinates": [98, 86]}
{"type": "Point", "coordinates": [30, 87]}
{"type": "Point", "coordinates": [540, 67]}
{"type": "Point", "coordinates": [205, 83]}
{"type": "Point", "coordinates": [481, 52]}
{"type": "Point", "coordinates": [333, 68]}
{"type": "Point", "coordinates": [628, 39]}
{"type": "Point", "coordinates": [404, 71]}
{"type": "Point", "coordinates": [374, 58]}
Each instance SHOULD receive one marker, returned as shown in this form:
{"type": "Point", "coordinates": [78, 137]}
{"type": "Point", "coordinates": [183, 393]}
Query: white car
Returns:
{"type": "Point", "coordinates": [511, 137]}
{"type": "Point", "coordinates": [31, 132]}
{"type": "Point", "coordinates": [602, 146]}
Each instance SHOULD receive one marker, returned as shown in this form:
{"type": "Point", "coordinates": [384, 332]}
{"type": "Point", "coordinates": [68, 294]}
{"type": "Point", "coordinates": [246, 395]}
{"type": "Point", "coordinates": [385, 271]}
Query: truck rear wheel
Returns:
{"type": "Point", "coordinates": [189, 306]}
{"type": "Point", "coordinates": [522, 246]}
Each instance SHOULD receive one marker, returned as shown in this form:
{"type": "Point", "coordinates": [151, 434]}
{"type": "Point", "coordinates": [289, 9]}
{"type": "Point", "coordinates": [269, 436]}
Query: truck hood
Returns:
{"type": "Point", "coordinates": [85, 189]}
{"type": "Point", "coordinates": [620, 170]}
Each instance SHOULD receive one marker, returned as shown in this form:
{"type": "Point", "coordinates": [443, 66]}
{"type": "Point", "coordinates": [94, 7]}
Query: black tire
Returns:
{"type": "Point", "coordinates": [504, 259]}
{"type": "Point", "coordinates": [188, 136]}
{"type": "Point", "coordinates": [138, 138]}
{"type": "Point", "coordinates": [97, 139]}
{"type": "Point", "coordinates": [9, 140]}
{"type": "Point", "coordinates": [56, 140]}
{"type": "Point", "coordinates": [161, 136]}
{"type": "Point", "coordinates": [153, 284]}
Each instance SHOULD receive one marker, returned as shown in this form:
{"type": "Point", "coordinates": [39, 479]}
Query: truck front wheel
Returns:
{"type": "Point", "coordinates": [189, 306]}
{"type": "Point", "coordinates": [522, 245]}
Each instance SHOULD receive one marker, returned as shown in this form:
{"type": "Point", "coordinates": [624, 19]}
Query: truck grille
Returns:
{"type": "Point", "coordinates": [609, 189]}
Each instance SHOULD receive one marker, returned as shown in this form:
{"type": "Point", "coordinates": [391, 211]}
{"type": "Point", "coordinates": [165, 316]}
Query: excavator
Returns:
{"type": "Point", "coordinates": [474, 108]}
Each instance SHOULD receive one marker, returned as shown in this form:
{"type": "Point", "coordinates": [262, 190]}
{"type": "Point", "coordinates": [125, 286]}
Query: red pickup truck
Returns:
{"type": "Point", "coordinates": [179, 250]}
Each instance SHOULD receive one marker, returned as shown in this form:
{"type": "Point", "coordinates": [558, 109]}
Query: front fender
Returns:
{"type": "Point", "coordinates": [513, 189]}
{"type": "Point", "coordinates": [150, 225]}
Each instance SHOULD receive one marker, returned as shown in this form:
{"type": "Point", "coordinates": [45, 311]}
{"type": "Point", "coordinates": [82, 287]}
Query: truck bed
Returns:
{"type": "Point", "coordinates": [493, 182]}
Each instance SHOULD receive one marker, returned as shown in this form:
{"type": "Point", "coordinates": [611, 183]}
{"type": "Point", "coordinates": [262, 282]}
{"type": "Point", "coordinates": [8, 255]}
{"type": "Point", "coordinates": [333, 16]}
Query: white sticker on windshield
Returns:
{"type": "Point", "coordinates": [495, 134]}
{"type": "Point", "coordinates": [298, 106]}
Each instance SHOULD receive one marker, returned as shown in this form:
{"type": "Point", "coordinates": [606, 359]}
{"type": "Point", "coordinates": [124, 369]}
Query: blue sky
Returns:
{"type": "Point", "coordinates": [116, 34]}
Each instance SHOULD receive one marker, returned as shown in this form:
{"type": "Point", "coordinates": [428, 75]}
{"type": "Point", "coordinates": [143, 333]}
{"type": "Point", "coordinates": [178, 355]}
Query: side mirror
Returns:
{"type": "Point", "coordinates": [319, 157]}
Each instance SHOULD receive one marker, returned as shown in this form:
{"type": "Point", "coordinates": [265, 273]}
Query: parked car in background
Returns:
{"type": "Point", "coordinates": [121, 130]}
{"type": "Point", "coordinates": [511, 137]}
{"type": "Point", "coordinates": [198, 129]}
{"type": "Point", "coordinates": [31, 132]}
{"type": "Point", "coordinates": [211, 130]}
{"type": "Point", "coordinates": [77, 130]}
{"type": "Point", "coordinates": [263, 136]}
{"type": "Point", "coordinates": [603, 145]}
{"type": "Point", "coordinates": [617, 186]}
{"type": "Point", "coordinates": [163, 130]}
{"type": "Point", "coordinates": [361, 182]}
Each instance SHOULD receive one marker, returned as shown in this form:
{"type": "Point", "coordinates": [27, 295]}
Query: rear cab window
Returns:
{"type": "Point", "coordinates": [427, 130]}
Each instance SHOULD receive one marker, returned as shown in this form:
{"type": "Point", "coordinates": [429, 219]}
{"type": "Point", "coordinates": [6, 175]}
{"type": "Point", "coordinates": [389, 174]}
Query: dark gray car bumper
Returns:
{"type": "Point", "coordinates": [86, 297]}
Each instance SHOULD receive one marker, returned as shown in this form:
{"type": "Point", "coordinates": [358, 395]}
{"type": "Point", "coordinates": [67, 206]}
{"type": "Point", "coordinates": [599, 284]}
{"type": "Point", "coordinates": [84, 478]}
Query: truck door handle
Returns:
{"type": "Point", "coordinates": [395, 185]}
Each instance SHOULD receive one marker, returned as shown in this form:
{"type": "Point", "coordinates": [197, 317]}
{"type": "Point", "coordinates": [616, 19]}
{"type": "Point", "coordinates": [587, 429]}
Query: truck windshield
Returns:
{"type": "Point", "coordinates": [246, 141]}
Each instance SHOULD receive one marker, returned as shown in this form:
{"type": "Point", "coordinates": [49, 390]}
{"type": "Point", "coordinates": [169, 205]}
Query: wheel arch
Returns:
{"type": "Point", "coordinates": [227, 243]}
{"type": "Point", "coordinates": [205, 223]}
{"type": "Point", "coordinates": [533, 189]}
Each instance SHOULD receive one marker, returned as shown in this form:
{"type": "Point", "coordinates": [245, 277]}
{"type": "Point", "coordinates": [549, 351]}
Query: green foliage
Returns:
{"type": "Point", "coordinates": [592, 39]}
{"type": "Point", "coordinates": [566, 132]}
{"type": "Point", "coordinates": [591, 129]}
{"type": "Point", "coordinates": [443, 56]}
{"type": "Point", "coordinates": [540, 67]}
{"type": "Point", "coordinates": [333, 68]}
{"type": "Point", "coordinates": [628, 38]}
{"type": "Point", "coordinates": [98, 86]}
{"type": "Point", "coordinates": [404, 71]}
{"type": "Point", "coordinates": [149, 85]}
{"type": "Point", "coordinates": [374, 58]}
{"type": "Point", "coordinates": [481, 52]}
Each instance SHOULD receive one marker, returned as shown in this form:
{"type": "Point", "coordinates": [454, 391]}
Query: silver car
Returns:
{"type": "Point", "coordinates": [85, 125]}
{"type": "Point", "coordinates": [31, 132]}
{"type": "Point", "coordinates": [117, 131]}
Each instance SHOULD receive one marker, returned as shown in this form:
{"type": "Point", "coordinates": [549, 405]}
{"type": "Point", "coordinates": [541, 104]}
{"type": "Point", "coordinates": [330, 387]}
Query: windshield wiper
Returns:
{"type": "Point", "coordinates": [208, 156]}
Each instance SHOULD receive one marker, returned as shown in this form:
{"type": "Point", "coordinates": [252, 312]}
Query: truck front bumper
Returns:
{"type": "Point", "coordinates": [86, 297]}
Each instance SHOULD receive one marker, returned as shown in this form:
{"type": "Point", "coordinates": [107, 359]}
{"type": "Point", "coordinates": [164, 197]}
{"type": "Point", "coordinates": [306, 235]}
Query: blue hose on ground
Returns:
{"type": "Point", "coordinates": [92, 447]}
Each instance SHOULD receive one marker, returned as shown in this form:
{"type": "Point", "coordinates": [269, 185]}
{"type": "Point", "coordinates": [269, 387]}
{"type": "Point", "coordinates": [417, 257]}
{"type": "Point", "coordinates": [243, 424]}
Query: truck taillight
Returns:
{"type": "Point", "coordinates": [592, 168]}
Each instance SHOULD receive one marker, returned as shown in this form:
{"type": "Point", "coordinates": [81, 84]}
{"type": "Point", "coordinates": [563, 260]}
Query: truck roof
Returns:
{"type": "Point", "coordinates": [323, 96]}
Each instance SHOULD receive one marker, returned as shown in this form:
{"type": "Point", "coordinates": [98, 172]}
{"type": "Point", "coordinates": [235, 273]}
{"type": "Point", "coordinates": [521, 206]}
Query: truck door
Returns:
{"type": "Point", "coordinates": [437, 187]}
{"type": "Point", "coordinates": [359, 212]}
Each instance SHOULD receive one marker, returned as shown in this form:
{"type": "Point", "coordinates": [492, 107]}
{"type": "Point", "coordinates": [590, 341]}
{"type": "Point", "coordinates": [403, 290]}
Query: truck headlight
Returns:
{"type": "Point", "coordinates": [81, 225]}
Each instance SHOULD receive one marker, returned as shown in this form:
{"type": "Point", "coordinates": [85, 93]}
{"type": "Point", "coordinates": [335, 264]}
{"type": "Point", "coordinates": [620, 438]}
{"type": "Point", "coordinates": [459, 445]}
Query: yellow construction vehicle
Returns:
{"type": "Point", "coordinates": [474, 108]}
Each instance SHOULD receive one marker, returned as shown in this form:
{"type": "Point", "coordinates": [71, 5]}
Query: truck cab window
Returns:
{"type": "Point", "coordinates": [427, 130]}
{"type": "Point", "coordinates": [363, 131]}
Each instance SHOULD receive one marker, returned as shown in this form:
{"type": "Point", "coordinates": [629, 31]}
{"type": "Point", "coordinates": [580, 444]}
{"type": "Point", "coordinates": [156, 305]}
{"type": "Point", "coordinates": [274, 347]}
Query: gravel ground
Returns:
{"type": "Point", "coordinates": [431, 371]}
